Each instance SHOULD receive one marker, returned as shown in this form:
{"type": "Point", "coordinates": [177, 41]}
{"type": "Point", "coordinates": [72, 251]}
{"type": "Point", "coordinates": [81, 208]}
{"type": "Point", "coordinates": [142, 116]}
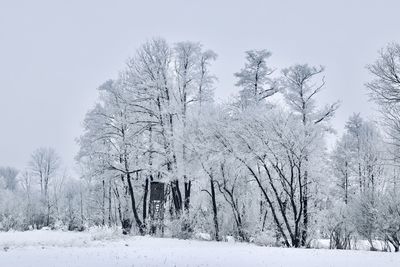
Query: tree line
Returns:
{"type": "Point", "coordinates": [256, 167]}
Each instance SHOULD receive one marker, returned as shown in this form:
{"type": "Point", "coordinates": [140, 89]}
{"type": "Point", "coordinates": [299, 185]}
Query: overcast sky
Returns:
{"type": "Point", "coordinates": [54, 54]}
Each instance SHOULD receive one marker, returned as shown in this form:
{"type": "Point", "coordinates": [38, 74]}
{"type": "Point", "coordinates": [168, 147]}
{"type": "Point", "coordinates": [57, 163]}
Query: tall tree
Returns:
{"type": "Point", "coordinates": [255, 78]}
{"type": "Point", "coordinates": [300, 90]}
{"type": "Point", "coordinates": [194, 84]}
{"type": "Point", "coordinates": [44, 164]}
{"type": "Point", "coordinates": [111, 144]}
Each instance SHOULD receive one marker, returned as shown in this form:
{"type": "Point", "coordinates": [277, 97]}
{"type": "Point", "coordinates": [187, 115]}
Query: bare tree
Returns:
{"type": "Point", "coordinates": [44, 165]}
{"type": "Point", "coordinates": [385, 87]}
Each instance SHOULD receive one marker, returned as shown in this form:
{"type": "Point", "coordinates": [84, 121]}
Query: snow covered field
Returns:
{"type": "Point", "coordinates": [107, 248]}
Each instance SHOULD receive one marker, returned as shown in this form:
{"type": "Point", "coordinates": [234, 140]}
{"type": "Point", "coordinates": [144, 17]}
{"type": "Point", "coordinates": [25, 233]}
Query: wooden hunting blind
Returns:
{"type": "Point", "coordinates": [157, 197]}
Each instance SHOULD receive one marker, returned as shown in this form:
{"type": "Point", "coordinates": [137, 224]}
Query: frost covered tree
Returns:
{"type": "Point", "coordinates": [9, 174]}
{"type": "Point", "coordinates": [225, 181]}
{"type": "Point", "coordinates": [109, 148]}
{"type": "Point", "coordinates": [194, 84]}
{"type": "Point", "coordinates": [269, 146]}
{"type": "Point", "coordinates": [358, 156]}
{"type": "Point", "coordinates": [389, 218]}
{"type": "Point", "coordinates": [342, 161]}
{"type": "Point", "coordinates": [36, 197]}
{"type": "Point", "coordinates": [359, 166]}
{"type": "Point", "coordinates": [141, 125]}
{"type": "Point", "coordinates": [255, 78]}
{"type": "Point", "coordinates": [44, 165]}
{"type": "Point", "coordinates": [300, 90]}
{"type": "Point", "coordinates": [384, 89]}
{"type": "Point", "coordinates": [168, 84]}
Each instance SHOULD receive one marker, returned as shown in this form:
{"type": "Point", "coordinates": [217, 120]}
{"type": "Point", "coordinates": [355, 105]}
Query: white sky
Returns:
{"type": "Point", "coordinates": [54, 54]}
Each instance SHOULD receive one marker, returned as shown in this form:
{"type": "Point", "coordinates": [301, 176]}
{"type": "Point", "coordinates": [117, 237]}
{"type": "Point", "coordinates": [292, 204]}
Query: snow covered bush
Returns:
{"type": "Point", "coordinates": [105, 233]}
{"type": "Point", "coordinates": [181, 228]}
{"type": "Point", "coordinates": [389, 219]}
{"type": "Point", "coordinates": [265, 238]}
{"type": "Point", "coordinates": [338, 226]}
{"type": "Point", "coordinates": [365, 217]}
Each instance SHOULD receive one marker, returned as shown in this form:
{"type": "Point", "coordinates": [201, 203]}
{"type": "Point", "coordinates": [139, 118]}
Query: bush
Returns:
{"type": "Point", "coordinates": [265, 238]}
{"type": "Point", "coordinates": [181, 228]}
{"type": "Point", "coordinates": [105, 233]}
{"type": "Point", "coordinates": [8, 222]}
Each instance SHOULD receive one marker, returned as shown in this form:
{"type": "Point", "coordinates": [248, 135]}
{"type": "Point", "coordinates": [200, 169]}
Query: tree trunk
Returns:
{"type": "Point", "coordinates": [81, 208]}
{"type": "Point", "coordinates": [346, 184]}
{"type": "Point", "coordinates": [394, 241]}
{"type": "Point", "coordinates": [264, 220]}
{"type": "Point", "coordinates": [305, 210]}
{"type": "Point", "coordinates": [103, 208]}
{"type": "Point", "coordinates": [188, 186]}
{"type": "Point", "coordinates": [48, 213]}
{"type": "Point", "coordinates": [47, 202]}
{"type": "Point", "coordinates": [109, 204]}
{"type": "Point", "coordinates": [215, 211]}
{"type": "Point", "coordinates": [146, 191]}
{"type": "Point", "coordinates": [116, 193]}
{"type": "Point", "coordinates": [176, 197]}
{"type": "Point", "coordinates": [133, 202]}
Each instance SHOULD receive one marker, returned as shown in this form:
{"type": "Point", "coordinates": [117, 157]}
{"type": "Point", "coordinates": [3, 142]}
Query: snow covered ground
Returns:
{"type": "Point", "coordinates": [108, 248]}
